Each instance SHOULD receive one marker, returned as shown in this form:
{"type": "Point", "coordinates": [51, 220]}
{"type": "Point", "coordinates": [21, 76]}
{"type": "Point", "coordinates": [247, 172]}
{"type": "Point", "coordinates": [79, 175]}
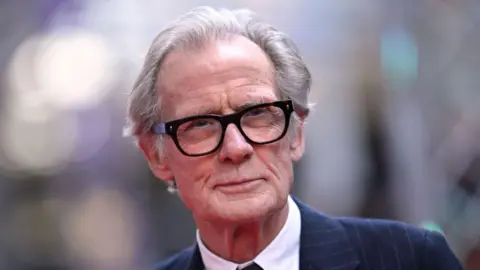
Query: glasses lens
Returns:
{"type": "Point", "coordinates": [263, 124]}
{"type": "Point", "coordinates": [199, 135]}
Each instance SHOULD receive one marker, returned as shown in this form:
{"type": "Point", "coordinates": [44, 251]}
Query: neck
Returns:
{"type": "Point", "coordinates": [241, 243]}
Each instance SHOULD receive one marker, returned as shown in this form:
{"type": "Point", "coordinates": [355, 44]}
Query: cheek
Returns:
{"type": "Point", "coordinates": [190, 173]}
{"type": "Point", "coordinates": [276, 158]}
{"type": "Point", "coordinates": [190, 170]}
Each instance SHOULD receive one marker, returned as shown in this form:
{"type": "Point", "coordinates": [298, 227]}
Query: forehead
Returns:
{"type": "Point", "coordinates": [220, 74]}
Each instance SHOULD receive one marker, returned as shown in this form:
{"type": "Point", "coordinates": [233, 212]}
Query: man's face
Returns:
{"type": "Point", "coordinates": [220, 79]}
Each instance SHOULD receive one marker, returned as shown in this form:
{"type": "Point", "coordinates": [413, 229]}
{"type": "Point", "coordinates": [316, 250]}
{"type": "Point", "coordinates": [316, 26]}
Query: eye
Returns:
{"type": "Point", "coordinates": [198, 125]}
{"type": "Point", "coordinates": [257, 111]}
{"type": "Point", "coordinates": [201, 123]}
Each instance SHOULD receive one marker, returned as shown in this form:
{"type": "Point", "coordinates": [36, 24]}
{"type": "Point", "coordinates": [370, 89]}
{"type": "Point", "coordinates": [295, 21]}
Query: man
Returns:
{"type": "Point", "coordinates": [218, 111]}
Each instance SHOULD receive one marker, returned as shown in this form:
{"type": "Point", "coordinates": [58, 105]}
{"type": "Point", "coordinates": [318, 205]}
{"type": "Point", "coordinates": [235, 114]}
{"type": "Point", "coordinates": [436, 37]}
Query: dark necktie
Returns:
{"type": "Point", "coordinates": [252, 266]}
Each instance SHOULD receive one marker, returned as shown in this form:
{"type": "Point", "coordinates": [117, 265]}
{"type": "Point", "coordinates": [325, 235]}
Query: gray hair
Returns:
{"type": "Point", "coordinates": [193, 30]}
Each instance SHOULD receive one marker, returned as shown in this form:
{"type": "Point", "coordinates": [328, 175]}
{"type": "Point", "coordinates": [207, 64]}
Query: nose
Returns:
{"type": "Point", "coordinates": [234, 148]}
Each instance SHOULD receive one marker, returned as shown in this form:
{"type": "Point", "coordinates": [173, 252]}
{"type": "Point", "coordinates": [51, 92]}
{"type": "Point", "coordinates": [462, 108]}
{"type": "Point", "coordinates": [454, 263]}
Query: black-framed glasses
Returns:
{"type": "Point", "coordinates": [203, 134]}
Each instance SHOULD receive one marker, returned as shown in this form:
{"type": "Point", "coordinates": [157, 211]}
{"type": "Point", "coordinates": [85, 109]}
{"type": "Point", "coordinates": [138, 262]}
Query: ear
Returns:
{"type": "Point", "coordinates": [156, 160]}
{"type": "Point", "coordinates": [297, 142]}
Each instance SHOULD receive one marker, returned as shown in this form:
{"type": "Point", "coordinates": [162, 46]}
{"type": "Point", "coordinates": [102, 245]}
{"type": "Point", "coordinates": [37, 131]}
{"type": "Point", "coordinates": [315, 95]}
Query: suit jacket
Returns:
{"type": "Point", "coordinates": [328, 243]}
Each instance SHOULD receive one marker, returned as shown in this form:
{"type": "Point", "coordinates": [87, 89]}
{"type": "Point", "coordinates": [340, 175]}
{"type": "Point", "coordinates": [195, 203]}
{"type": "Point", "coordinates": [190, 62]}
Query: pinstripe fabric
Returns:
{"type": "Point", "coordinates": [350, 243]}
{"type": "Point", "coordinates": [324, 244]}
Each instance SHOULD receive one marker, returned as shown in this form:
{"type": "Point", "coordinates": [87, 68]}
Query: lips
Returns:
{"type": "Point", "coordinates": [239, 186]}
{"type": "Point", "coordinates": [234, 182]}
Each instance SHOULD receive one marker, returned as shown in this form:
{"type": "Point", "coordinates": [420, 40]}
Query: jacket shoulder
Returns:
{"type": "Point", "coordinates": [399, 244]}
{"type": "Point", "coordinates": [383, 231]}
{"type": "Point", "coordinates": [177, 261]}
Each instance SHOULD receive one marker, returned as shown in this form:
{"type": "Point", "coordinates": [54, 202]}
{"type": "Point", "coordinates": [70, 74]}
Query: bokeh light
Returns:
{"type": "Point", "coordinates": [100, 229]}
{"type": "Point", "coordinates": [432, 226]}
{"type": "Point", "coordinates": [38, 146]}
{"type": "Point", "coordinates": [74, 68]}
{"type": "Point", "coordinates": [20, 74]}
{"type": "Point", "coordinates": [399, 56]}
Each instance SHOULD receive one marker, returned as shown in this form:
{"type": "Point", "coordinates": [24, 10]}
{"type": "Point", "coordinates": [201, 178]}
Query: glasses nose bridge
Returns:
{"type": "Point", "coordinates": [233, 118]}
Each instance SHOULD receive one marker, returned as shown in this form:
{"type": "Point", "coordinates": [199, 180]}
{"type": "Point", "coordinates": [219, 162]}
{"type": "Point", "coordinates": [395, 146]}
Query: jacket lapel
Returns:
{"type": "Point", "coordinates": [323, 242]}
{"type": "Point", "coordinates": [195, 262]}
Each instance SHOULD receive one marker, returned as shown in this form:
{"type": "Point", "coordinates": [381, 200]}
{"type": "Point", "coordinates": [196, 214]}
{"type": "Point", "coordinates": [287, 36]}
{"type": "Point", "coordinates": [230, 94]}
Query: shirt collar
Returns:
{"type": "Point", "coordinates": [285, 245]}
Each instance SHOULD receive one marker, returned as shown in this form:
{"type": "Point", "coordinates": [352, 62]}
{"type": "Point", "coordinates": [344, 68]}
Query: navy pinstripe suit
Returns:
{"type": "Point", "coordinates": [350, 243]}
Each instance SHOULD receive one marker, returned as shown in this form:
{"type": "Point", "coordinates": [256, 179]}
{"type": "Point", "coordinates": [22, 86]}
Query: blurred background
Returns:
{"type": "Point", "coordinates": [395, 133]}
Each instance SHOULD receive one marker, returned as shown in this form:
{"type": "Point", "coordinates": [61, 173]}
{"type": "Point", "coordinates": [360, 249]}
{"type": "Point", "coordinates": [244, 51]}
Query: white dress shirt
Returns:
{"type": "Point", "coordinates": [281, 254]}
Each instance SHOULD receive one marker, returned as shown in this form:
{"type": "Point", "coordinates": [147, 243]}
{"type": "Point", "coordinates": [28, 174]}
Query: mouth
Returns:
{"type": "Point", "coordinates": [238, 186]}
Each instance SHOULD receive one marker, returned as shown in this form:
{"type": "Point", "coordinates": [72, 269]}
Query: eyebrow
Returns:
{"type": "Point", "coordinates": [200, 110]}
{"type": "Point", "coordinates": [250, 103]}
{"type": "Point", "coordinates": [205, 109]}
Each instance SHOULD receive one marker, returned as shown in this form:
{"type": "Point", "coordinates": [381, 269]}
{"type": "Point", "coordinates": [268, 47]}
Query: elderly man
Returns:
{"type": "Point", "coordinates": [219, 111]}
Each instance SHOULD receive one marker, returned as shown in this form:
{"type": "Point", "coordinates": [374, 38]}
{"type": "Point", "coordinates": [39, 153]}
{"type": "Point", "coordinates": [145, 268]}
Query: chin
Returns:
{"type": "Point", "coordinates": [245, 210]}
